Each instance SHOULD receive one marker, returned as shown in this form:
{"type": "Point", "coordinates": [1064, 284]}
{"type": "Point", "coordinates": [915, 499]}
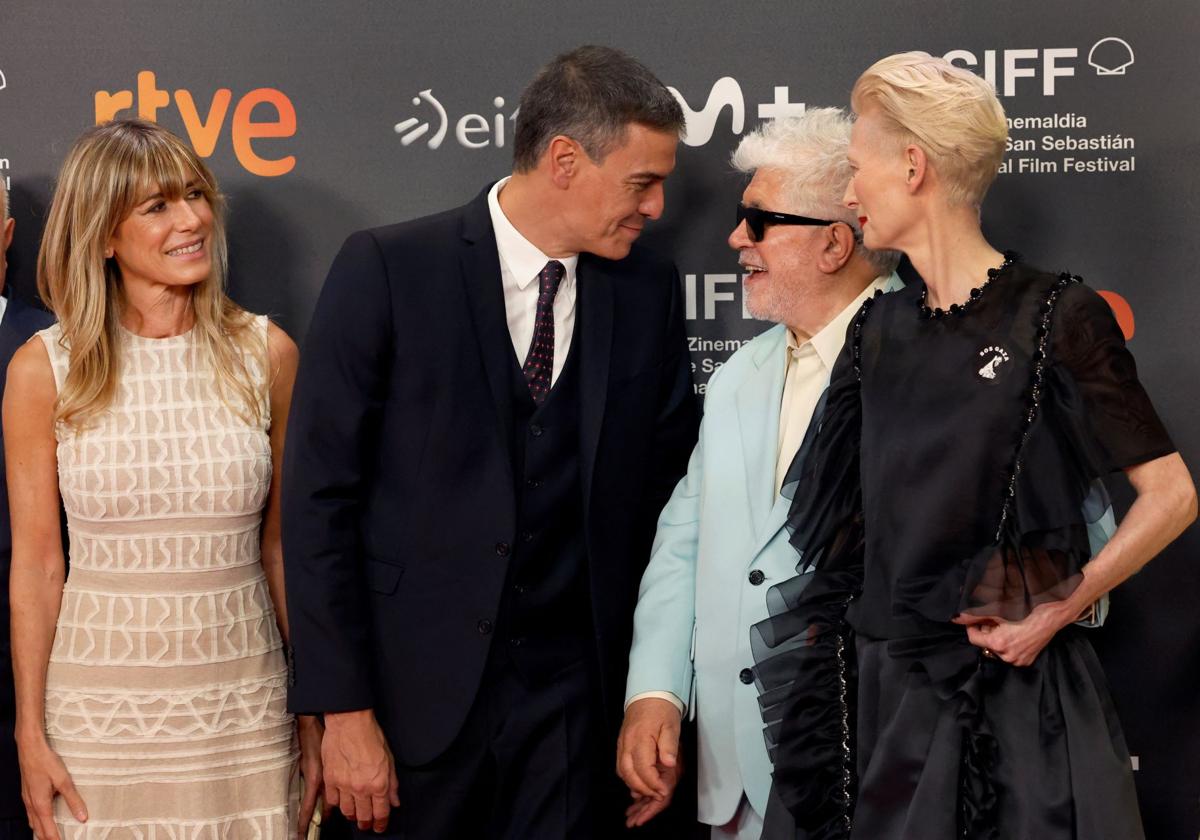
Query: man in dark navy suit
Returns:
{"type": "Point", "coordinates": [493, 404]}
{"type": "Point", "coordinates": [17, 323]}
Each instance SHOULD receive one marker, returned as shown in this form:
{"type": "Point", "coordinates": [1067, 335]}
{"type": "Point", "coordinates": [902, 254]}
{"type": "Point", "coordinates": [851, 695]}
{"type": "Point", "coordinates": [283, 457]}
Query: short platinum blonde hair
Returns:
{"type": "Point", "coordinates": [810, 152]}
{"type": "Point", "coordinates": [949, 112]}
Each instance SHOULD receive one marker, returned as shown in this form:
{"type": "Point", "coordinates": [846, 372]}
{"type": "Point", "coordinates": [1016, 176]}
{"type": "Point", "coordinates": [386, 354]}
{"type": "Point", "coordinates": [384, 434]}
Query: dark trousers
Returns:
{"type": "Point", "coordinates": [530, 763]}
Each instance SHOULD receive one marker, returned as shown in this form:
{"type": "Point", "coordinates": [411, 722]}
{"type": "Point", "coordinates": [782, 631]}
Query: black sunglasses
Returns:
{"type": "Point", "coordinates": [757, 220]}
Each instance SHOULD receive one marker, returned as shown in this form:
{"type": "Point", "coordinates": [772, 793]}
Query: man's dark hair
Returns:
{"type": "Point", "coordinates": [591, 95]}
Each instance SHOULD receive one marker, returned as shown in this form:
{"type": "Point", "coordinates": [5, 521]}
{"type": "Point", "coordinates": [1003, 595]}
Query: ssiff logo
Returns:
{"type": "Point", "coordinates": [1109, 56]}
{"type": "Point", "coordinates": [203, 132]}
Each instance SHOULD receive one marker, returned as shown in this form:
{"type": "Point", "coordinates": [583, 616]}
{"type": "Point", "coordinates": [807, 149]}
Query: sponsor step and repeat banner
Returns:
{"type": "Point", "coordinates": [322, 118]}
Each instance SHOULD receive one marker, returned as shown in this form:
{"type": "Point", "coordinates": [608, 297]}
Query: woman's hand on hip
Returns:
{"type": "Point", "coordinates": [1018, 642]}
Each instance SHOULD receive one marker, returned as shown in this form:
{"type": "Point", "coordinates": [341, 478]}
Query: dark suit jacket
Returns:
{"type": "Point", "coordinates": [19, 323]}
{"type": "Point", "coordinates": [398, 497]}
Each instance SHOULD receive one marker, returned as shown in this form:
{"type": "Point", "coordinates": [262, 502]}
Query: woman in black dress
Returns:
{"type": "Point", "coordinates": [947, 512]}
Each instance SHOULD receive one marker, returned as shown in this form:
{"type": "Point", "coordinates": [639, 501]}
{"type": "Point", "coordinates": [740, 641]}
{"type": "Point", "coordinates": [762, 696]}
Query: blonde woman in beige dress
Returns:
{"type": "Point", "coordinates": [151, 686]}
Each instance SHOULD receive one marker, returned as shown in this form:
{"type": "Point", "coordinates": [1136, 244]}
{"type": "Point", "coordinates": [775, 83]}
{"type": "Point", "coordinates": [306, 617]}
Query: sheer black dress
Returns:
{"type": "Point", "coordinates": [954, 469]}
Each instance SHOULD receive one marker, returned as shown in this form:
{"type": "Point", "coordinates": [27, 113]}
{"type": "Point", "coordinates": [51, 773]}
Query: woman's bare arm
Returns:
{"type": "Point", "coordinates": [283, 358]}
{"type": "Point", "coordinates": [37, 575]}
{"type": "Point", "coordinates": [1165, 505]}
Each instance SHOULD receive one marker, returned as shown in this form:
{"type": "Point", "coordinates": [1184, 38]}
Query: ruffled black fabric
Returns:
{"type": "Point", "coordinates": [804, 653]}
{"type": "Point", "coordinates": [1065, 430]}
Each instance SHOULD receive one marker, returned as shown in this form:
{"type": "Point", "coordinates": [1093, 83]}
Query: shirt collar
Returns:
{"type": "Point", "coordinates": [829, 339]}
{"type": "Point", "coordinates": [521, 257]}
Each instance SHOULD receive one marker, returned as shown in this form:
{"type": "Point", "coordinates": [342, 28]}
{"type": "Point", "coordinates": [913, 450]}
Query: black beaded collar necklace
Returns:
{"type": "Point", "coordinates": [1010, 257]}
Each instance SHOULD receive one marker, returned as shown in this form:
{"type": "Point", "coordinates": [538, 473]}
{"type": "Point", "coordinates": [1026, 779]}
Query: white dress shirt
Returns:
{"type": "Point", "coordinates": [3, 306]}
{"type": "Point", "coordinates": [520, 264]}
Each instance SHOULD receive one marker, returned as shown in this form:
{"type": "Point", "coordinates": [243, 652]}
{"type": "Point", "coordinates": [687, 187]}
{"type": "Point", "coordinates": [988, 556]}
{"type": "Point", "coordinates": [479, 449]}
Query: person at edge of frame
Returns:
{"type": "Point", "coordinates": [18, 322]}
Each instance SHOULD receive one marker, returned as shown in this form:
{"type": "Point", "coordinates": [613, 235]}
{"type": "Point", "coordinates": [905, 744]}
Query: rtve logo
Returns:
{"type": "Point", "coordinates": [203, 132]}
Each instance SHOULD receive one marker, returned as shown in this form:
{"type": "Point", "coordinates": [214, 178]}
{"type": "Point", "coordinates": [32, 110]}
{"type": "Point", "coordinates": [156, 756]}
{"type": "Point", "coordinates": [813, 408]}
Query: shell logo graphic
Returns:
{"type": "Point", "coordinates": [1110, 56]}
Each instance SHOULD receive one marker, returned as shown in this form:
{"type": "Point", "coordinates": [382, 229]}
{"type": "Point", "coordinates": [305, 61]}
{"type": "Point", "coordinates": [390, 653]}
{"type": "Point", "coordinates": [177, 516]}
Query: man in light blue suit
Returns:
{"type": "Point", "coordinates": [721, 543]}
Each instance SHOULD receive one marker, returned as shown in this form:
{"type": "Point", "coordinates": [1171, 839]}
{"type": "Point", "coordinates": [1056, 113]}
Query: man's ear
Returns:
{"type": "Point", "coordinates": [7, 236]}
{"type": "Point", "coordinates": [564, 157]}
{"type": "Point", "coordinates": [839, 247]}
{"type": "Point", "coordinates": [918, 167]}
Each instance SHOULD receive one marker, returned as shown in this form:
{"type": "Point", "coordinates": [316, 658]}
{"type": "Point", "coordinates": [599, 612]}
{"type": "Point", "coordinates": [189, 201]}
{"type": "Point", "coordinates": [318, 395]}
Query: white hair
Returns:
{"type": "Point", "coordinates": [810, 153]}
{"type": "Point", "coordinates": [3, 200]}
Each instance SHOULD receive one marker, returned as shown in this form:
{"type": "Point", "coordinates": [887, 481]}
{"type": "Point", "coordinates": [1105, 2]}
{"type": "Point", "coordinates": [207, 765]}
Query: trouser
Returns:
{"type": "Point", "coordinates": [745, 825]}
{"type": "Point", "coordinates": [528, 764]}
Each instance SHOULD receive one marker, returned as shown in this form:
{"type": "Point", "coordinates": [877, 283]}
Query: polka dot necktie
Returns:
{"type": "Point", "coordinates": [539, 363]}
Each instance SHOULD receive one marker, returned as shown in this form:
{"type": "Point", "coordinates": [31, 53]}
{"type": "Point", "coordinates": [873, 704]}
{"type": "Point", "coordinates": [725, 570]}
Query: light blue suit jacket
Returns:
{"type": "Point", "coordinates": [697, 601]}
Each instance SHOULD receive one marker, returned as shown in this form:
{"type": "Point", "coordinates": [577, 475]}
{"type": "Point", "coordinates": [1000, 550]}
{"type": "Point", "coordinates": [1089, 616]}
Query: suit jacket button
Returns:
{"type": "Point", "coordinates": [503, 548]}
{"type": "Point", "coordinates": [746, 676]}
{"type": "Point", "coordinates": [484, 626]}
{"type": "Point", "coordinates": [757, 577]}
{"type": "Point", "coordinates": [535, 430]}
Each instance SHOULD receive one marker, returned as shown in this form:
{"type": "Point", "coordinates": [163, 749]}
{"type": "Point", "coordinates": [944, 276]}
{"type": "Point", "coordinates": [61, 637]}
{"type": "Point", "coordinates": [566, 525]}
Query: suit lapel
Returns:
{"type": "Point", "coordinates": [480, 264]}
{"type": "Point", "coordinates": [758, 401]}
{"type": "Point", "coordinates": [594, 328]}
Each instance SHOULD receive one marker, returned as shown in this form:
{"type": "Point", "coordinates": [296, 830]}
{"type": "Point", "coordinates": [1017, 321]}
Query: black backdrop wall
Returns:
{"type": "Point", "coordinates": [320, 118]}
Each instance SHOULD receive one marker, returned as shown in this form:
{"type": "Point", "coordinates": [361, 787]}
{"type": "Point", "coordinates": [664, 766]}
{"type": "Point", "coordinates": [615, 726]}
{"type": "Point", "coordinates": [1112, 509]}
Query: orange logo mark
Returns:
{"type": "Point", "coordinates": [1121, 310]}
{"type": "Point", "coordinates": [204, 132]}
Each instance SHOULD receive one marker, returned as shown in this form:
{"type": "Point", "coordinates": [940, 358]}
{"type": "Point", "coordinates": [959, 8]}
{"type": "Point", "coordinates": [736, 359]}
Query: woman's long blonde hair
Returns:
{"type": "Point", "coordinates": [108, 170]}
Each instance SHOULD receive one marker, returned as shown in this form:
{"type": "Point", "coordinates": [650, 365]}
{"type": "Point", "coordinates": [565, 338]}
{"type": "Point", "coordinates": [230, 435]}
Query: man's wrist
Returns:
{"type": "Point", "coordinates": [669, 696]}
{"type": "Point", "coordinates": [334, 720]}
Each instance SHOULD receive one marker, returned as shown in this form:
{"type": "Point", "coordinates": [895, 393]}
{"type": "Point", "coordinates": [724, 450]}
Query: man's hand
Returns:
{"type": "Point", "coordinates": [360, 776]}
{"type": "Point", "coordinates": [648, 757]}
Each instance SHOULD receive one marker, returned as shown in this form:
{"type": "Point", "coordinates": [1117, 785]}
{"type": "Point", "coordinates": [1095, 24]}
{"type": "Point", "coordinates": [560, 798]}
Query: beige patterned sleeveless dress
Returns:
{"type": "Point", "coordinates": [165, 693]}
